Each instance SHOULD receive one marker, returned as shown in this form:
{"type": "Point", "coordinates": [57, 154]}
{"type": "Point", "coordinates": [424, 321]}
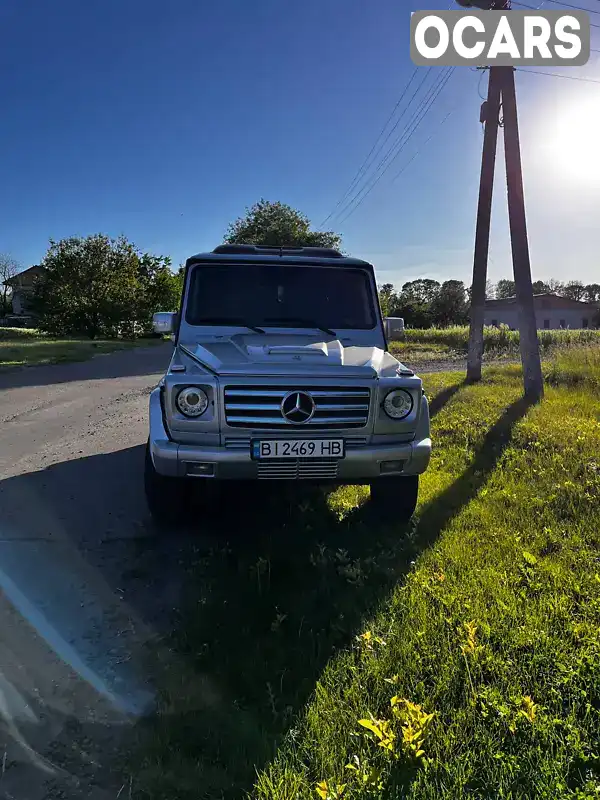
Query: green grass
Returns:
{"type": "Point", "coordinates": [28, 347]}
{"type": "Point", "coordinates": [498, 342]}
{"type": "Point", "coordinates": [577, 367]}
{"type": "Point", "coordinates": [484, 614]}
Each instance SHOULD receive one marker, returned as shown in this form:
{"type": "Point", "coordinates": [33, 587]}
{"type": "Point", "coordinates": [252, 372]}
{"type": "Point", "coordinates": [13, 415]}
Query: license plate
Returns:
{"type": "Point", "coordinates": [297, 448]}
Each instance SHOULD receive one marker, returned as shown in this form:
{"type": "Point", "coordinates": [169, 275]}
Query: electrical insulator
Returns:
{"type": "Point", "coordinates": [483, 114]}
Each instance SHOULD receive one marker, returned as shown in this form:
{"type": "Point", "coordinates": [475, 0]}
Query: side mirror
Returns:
{"type": "Point", "coordinates": [165, 322]}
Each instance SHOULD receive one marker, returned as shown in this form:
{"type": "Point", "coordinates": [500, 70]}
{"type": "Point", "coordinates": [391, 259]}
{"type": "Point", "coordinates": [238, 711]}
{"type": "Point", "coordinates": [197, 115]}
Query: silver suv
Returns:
{"type": "Point", "coordinates": [281, 372]}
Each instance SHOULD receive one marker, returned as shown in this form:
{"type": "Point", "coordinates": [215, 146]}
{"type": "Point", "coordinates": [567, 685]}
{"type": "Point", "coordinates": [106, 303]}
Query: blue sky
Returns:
{"type": "Point", "coordinates": [163, 121]}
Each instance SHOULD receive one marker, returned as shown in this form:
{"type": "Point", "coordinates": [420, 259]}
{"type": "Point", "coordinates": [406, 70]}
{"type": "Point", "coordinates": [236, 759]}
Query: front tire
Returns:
{"type": "Point", "coordinates": [168, 498]}
{"type": "Point", "coordinates": [395, 499]}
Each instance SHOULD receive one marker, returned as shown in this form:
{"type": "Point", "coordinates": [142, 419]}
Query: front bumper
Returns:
{"type": "Point", "coordinates": [360, 465]}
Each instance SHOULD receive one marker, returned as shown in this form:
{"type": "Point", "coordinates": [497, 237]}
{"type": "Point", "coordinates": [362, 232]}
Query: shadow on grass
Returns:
{"type": "Point", "coordinates": [270, 609]}
{"type": "Point", "coordinates": [444, 397]}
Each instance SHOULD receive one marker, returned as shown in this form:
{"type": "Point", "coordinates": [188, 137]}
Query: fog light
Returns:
{"type": "Point", "coordinates": [200, 469]}
{"type": "Point", "coordinates": [391, 466]}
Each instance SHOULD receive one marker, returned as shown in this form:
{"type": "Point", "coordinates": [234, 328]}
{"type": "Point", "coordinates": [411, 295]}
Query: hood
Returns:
{"type": "Point", "coordinates": [288, 354]}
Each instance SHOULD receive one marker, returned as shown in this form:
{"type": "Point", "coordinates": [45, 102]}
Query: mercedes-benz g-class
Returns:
{"type": "Point", "coordinates": [281, 371]}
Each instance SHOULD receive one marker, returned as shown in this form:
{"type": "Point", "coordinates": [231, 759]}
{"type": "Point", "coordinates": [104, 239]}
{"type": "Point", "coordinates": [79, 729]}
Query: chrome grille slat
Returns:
{"type": "Point", "coordinates": [297, 470]}
{"type": "Point", "coordinates": [256, 422]}
{"type": "Point", "coordinates": [252, 406]}
{"type": "Point", "coordinates": [258, 407]}
{"type": "Point", "coordinates": [282, 392]}
{"type": "Point", "coordinates": [237, 444]}
{"type": "Point", "coordinates": [342, 407]}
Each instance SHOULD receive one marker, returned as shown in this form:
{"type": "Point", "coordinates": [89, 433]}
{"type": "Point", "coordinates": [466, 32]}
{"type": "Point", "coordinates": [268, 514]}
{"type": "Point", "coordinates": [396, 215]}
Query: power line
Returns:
{"type": "Point", "coordinates": [365, 162]}
{"type": "Point", "coordinates": [533, 8]}
{"type": "Point", "coordinates": [429, 138]}
{"type": "Point", "coordinates": [400, 143]}
{"type": "Point", "coordinates": [364, 166]}
{"type": "Point", "coordinates": [570, 5]}
{"type": "Point", "coordinates": [557, 75]}
{"type": "Point", "coordinates": [375, 177]}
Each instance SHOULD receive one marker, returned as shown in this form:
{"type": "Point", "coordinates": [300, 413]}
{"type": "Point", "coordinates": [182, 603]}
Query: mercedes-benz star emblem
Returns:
{"type": "Point", "coordinates": [297, 407]}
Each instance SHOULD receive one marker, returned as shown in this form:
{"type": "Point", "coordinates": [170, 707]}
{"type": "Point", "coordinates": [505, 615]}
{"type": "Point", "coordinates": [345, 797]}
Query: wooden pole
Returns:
{"type": "Point", "coordinates": [530, 351]}
{"type": "Point", "coordinates": [482, 233]}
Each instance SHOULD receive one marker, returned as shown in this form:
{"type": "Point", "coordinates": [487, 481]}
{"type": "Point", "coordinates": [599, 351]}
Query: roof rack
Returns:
{"type": "Point", "coordinates": [255, 249]}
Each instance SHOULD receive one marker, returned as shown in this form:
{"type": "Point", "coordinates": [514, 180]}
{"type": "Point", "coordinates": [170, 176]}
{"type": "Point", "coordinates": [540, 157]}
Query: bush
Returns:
{"type": "Point", "coordinates": [102, 287]}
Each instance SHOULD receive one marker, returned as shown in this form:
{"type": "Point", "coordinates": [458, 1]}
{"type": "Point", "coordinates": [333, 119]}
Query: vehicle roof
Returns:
{"type": "Point", "coordinates": [253, 254]}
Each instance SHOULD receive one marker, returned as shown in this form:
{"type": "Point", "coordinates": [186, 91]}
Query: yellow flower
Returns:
{"type": "Point", "coordinates": [528, 708]}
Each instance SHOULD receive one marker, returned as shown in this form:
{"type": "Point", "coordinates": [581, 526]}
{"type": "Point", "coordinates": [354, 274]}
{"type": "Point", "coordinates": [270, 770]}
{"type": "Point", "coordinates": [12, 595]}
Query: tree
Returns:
{"type": "Point", "coordinates": [159, 289]}
{"type": "Point", "coordinates": [505, 289]}
{"type": "Point", "coordinates": [574, 290]}
{"type": "Point", "coordinates": [387, 299]}
{"type": "Point", "coordinates": [99, 286]}
{"type": "Point", "coordinates": [556, 287]}
{"type": "Point", "coordinates": [540, 287]}
{"type": "Point", "coordinates": [278, 225]}
{"type": "Point", "coordinates": [423, 290]}
{"type": "Point", "coordinates": [450, 306]}
{"type": "Point", "coordinates": [490, 291]}
{"type": "Point", "coordinates": [8, 269]}
{"type": "Point", "coordinates": [592, 293]}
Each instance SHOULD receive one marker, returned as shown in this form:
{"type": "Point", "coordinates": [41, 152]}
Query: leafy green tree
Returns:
{"type": "Point", "coordinates": [574, 290]}
{"type": "Point", "coordinates": [278, 225]}
{"type": "Point", "coordinates": [450, 306]}
{"type": "Point", "coordinates": [414, 302]}
{"type": "Point", "coordinates": [97, 286]}
{"type": "Point", "coordinates": [387, 299]}
{"type": "Point", "coordinates": [505, 288]}
{"type": "Point", "coordinates": [592, 293]}
{"type": "Point", "coordinates": [423, 290]}
{"type": "Point", "coordinates": [159, 289]}
{"type": "Point", "coordinates": [540, 287]}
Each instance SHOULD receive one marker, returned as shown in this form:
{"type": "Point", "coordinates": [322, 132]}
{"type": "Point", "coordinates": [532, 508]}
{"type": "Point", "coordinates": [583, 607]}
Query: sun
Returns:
{"type": "Point", "coordinates": [573, 140]}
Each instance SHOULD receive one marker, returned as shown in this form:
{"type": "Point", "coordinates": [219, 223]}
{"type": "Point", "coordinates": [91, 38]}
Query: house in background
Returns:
{"type": "Point", "coordinates": [21, 289]}
{"type": "Point", "coordinates": [551, 311]}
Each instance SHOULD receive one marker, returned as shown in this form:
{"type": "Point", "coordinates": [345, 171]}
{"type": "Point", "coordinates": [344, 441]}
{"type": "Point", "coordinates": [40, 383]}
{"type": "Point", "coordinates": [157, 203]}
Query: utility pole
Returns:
{"type": "Point", "coordinates": [501, 90]}
{"type": "Point", "coordinates": [528, 338]}
{"type": "Point", "coordinates": [490, 118]}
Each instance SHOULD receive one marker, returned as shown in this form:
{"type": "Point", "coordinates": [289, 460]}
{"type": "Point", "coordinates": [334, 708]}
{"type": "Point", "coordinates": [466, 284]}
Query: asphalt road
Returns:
{"type": "Point", "coordinates": [85, 582]}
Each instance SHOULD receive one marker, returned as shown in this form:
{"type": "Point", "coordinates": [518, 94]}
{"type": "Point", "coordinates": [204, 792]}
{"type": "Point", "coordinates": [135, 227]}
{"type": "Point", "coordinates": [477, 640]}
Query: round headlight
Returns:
{"type": "Point", "coordinates": [398, 404]}
{"type": "Point", "coordinates": [192, 401]}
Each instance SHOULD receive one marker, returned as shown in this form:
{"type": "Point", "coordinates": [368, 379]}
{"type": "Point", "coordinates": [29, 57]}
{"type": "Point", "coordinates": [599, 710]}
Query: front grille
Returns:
{"type": "Point", "coordinates": [297, 469]}
{"type": "Point", "coordinates": [260, 407]}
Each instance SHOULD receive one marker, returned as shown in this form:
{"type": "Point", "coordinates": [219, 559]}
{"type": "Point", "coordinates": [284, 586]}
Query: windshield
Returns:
{"type": "Point", "coordinates": [280, 296]}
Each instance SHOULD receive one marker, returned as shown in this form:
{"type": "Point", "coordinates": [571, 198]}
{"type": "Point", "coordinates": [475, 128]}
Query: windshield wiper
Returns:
{"type": "Point", "coordinates": [301, 322]}
{"type": "Point", "coordinates": [227, 321]}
